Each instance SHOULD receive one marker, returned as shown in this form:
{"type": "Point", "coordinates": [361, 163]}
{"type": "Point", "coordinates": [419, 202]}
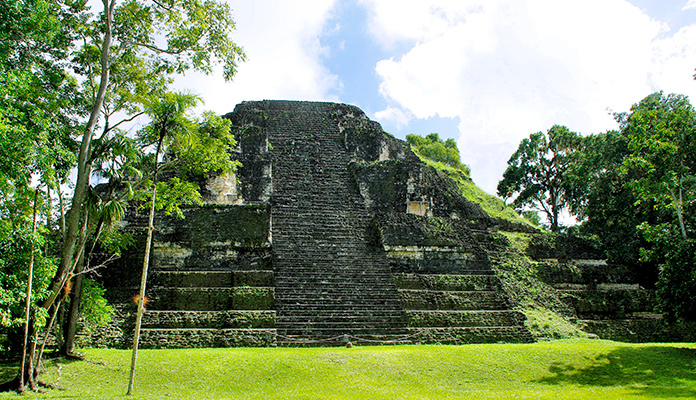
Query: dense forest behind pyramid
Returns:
{"type": "Point", "coordinates": [333, 231]}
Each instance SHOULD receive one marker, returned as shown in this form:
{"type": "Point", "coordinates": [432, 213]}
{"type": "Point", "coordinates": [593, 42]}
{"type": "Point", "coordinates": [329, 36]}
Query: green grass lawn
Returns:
{"type": "Point", "coordinates": [577, 369]}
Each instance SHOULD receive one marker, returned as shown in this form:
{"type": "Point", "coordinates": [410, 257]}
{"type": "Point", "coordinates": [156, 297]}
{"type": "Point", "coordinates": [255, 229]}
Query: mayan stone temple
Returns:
{"type": "Point", "coordinates": [332, 231]}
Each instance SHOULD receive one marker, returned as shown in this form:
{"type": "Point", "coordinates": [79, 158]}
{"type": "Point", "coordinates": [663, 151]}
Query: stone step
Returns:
{"type": "Point", "coordinates": [197, 337]}
{"type": "Point", "coordinates": [616, 304]}
{"type": "Point", "coordinates": [308, 305]}
{"type": "Point", "coordinates": [345, 278]}
{"type": "Point", "coordinates": [209, 319]}
{"type": "Point", "coordinates": [340, 292]}
{"type": "Point", "coordinates": [329, 303]}
{"type": "Point", "coordinates": [471, 335]}
{"type": "Point", "coordinates": [641, 329]}
{"type": "Point", "coordinates": [422, 268]}
{"type": "Point", "coordinates": [452, 300]}
{"type": "Point", "coordinates": [211, 299]}
{"type": "Point", "coordinates": [460, 282]}
{"type": "Point", "coordinates": [207, 278]}
{"type": "Point", "coordinates": [342, 339]}
{"type": "Point", "coordinates": [325, 332]}
{"type": "Point", "coordinates": [448, 318]}
{"type": "Point", "coordinates": [308, 318]}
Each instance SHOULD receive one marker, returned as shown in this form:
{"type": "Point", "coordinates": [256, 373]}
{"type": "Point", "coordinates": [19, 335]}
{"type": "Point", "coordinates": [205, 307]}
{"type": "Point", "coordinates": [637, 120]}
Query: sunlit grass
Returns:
{"type": "Point", "coordinates": [578, 369]}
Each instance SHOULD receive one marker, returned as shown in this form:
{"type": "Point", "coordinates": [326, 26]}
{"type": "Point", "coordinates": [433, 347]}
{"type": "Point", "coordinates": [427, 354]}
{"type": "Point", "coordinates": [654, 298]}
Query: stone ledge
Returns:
{"type": "Point", "coordinates": [477, 318]}
{"type": "Point", "coordinates": [446, 282]}
{"type": "Point", "coordinates": [209, 319]}
{"type": "Point", "coordinates": [470, 335]}
{"type": "Point", "coordinates": [189, 338]}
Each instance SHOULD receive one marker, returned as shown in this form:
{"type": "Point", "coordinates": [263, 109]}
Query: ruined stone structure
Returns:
{"type": "Point", "coordinates": [331, 231]}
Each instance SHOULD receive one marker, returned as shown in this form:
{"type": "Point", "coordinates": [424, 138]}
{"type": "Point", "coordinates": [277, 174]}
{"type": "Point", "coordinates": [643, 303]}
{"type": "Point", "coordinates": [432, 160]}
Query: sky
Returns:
{"type": "Point", "coordinates": [486, 73]}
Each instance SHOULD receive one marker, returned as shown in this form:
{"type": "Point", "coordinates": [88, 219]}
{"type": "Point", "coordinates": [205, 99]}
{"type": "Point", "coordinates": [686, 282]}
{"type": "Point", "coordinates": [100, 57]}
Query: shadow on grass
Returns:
{"type": "Point", "coordinates": [649, 371]}
{"type": "Point", "coordinates": [8, 370]}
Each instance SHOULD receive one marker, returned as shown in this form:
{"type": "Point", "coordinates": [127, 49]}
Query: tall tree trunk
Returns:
{"type": "Point", "coordinates": [28, 321]}
{"type": "Point", "coordinates": [70, 327]}
{"type": "Point", "coordinates": [81, 185]}
{"type": "Point", "coordinates": [83, 164]}
{"type": "Point", "coordinates": [146, 263]}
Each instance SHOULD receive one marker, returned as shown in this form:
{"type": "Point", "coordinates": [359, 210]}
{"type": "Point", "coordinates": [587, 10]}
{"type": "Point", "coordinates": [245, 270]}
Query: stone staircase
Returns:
{"type": "Point", "coordinates": [331, 285]}
{"type": "Point", "coordinates": [454, 298]}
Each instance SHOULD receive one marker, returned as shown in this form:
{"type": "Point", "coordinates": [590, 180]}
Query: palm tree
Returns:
{"type": "Point", "coordinates": [169, 117]}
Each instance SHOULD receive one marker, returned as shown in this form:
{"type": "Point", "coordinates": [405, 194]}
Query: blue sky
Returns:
{"type": "Point", "coordinates": [484, 72]}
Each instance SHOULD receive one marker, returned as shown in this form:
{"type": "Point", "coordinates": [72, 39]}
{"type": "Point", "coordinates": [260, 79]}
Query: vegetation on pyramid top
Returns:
{"type": "Point", "coordinates": [444, 157]}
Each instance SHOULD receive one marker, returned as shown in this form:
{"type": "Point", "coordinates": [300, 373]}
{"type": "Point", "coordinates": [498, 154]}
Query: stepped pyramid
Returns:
{"type": "Point", "coordinates": [332, 231]}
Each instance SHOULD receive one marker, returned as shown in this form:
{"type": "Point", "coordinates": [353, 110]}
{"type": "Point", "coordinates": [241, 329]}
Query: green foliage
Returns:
{"type": "Point", "coordinates": [190, 147]}
{"type": "Point", "coordinates": [677, 278]}
{"type": "Point", "coordinates": [661, 133]}
{"type": "Point", "coordinates": [205, 149]}
{"type": "Point", "coordinates": [65, 74]}
{"type": "Point", "coordinates": [605, 201]}
{"type": "Point", "coordinates": [94, 307]}
{"type": "Point", "coordinates": [15, 245]}
{"type": "Point", "coordinates": [636, 188]}
{"type": "Point", "coordinates": [175, 193]}
{"type": "Point", "coordinates": [38, 100]}
{"type": "Point", "coordinates": [537, 173]}
{"type": "Point", "coordinates": [661, 173]}
{"type": "Point", "coordinates": [433, 148]}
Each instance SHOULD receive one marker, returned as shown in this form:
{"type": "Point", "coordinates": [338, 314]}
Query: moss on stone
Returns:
{"type": "Point", "coordinates": [253, 298]}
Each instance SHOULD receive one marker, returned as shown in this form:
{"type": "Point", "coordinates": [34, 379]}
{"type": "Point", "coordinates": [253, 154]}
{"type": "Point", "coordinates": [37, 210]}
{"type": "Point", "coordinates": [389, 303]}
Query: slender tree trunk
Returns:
{"type": "Point", "coordinates": [28, 321]}
{"type": "Point", "coordinates": [62, 213]}
{"type": "Point", "coordinates": [146, 263]}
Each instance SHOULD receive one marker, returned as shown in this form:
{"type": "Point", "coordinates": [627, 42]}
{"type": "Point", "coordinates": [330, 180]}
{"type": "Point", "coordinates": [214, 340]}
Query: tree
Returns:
{"type": "Point", "coordinates": [661, 134]}
{"type": "Point", "coordinates": [608, 206]}
{"type": "Point", "coordinates": [433, 148]}
{"type": "Point", "coordinates": [35, 94]}
{"type": "Point", "coordinates": [168, 119]}
{"type": "Point", "coordinates": [198, 148]}
{"type": "Point", "coordinates": [537, 173]}
{"type": "Point", "coordinates": [129, 53]}
{"type": "Point", "coordinates": [196, 34]}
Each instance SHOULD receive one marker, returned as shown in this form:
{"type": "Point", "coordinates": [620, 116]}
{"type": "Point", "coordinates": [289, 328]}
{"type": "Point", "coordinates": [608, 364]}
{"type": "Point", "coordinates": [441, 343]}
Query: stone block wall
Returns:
{"type": "Point", "coordinates": [607, 299]}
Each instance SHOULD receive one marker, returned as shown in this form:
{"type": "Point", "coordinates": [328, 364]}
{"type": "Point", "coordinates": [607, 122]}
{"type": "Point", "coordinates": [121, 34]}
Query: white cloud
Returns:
{"type": "Point", "coordinates": [674, 60]}
{"type": "Point", "coordinates": [510, 68]}
{"type": "Point", "coordinates": [689, 5]}
{"type": "Point", "coordinates": [284, 55]}
{"type": "Point", "coordinates": [396, 115]}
